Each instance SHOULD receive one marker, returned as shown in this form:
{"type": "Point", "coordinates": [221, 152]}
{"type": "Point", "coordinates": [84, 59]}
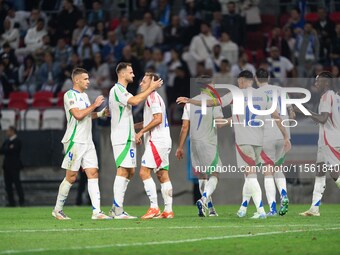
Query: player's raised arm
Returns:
{"type": "Point", "coordinates": [135, 100]}
{"type": "Point", "coordinates": [186, 100]}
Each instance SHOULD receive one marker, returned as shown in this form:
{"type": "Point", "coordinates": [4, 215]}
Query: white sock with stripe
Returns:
{"type": "Point", "coordinates": [151, 192]}
{"type": "Point", "coordinates": [64, 189]}
{"type": "Point", "coordinates": [337, 183]}
{"type": "Point", "coordinates": [209, 188]}
{"type": "Point", "coordinates": [270, 188]}
{"type": "Point", "coordinates": [166, 189]}
{"type": "Point", "coordinates": [119, 188]}
{"type": "Point", "coordinates": [281, 184]}
{"type": "Point", "coordinates": [319, 188]}
{"type": "Point", "coordinates": [201, 185]}
{"type": "Point", "coordinates": [93, 189]}
{"type": "Point", "coordinates": [256, 192]}
{"type": "Point", "coordinates": [246, 195]}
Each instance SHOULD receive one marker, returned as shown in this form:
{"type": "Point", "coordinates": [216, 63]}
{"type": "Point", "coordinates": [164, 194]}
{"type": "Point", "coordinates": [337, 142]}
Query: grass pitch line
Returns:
{"type": "Point", "coordinates": [212, 238]}
{"type": "Point", "coordinates": [150, 228]}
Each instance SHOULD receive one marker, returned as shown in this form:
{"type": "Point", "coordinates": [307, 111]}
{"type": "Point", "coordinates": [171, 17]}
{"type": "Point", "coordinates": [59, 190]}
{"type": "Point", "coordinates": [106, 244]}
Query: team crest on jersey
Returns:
{"type": "Point", "coordinates": [126, 94]}
{"type": "Point", "coordinates": [71, 102]}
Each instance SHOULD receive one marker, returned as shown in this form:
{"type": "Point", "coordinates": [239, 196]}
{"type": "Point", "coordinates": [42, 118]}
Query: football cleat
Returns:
{"type": "Point", "coordinates": [124, 216]}
{"type": "Point", "coordinates": [272, 213]}
{"type": "Point", "coordinates": [259, 216]}
{"type": "Point", "coordinates": [284, 206]}
{"type": "Point", "coordinates": [241, 213]}
{"type": "Point", "coordinates": [165, 215]}
{"type": "Point", "coordinates": [212, 212]}
{"type": "Point", "coordinates": [151, 213]}
{"type": "Point", "coordinates": [60, 215]}
{"type": "Point", "coordinates": [100, 216]}
{"type": "Point", "coordinates": [310, 213]}
{"type": "Point", "coordinates": [201, 208]}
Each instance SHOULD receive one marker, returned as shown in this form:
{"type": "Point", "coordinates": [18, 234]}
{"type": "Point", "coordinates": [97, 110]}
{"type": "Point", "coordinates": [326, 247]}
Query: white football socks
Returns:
{"type": "Point", "coordinates": [281, 184]}
{"type": "Point", "coordinates": [319, 188]}
{"type": "Point", "coordinates": [166, 189]}
{"type": "Point", "coordinates": [64, 189]}
{"type": "Point", "coordinates": [93, 189]}
{"type": "Point", "coordinates": [119, 188]}
{"type": "Point", "coordinates": [270, 188]}
{"type": "Point", "coordinates": [151, 192]}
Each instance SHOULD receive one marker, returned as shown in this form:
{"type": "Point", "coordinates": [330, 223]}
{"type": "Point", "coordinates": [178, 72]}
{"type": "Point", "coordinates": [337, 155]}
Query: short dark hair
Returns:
{"type": "Point", "coordinates": [13, 129]}
{"type": "Point", "coordinates": [155, 76]}
{"type": "Point", "coordinates": [76, 71]}
{"type": "Point", "coordinates": [225, 61]}
{"type": "Point", "coordinates": [327, 77]}
{"type": "Point", "coordinates": [246, 74]}
{"type": "Point", "coordinates": [262, 75]}
{"type": "Point", "coordinates": [121, 66]}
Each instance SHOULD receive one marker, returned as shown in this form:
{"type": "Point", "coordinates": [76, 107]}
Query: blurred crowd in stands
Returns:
{"type": "Point", "coordinates": [42, 41]}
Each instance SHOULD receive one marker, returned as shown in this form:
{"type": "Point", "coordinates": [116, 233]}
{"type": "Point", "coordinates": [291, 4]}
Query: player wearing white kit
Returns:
{"type": "Point", "coordinates": [204, 150]}
{"type": "Point", "coordinates": [273, 153]}
{"type": "Point", "coordinates": [249, 139]}
{"type": "Point", "coordinates": [157, 140]}
{"type": "Point", "coordinates": [328, 155]}
{"type": "Point", "coordinates": [123, 134]}
{"type": "Point", "coordinates": [78, 144]}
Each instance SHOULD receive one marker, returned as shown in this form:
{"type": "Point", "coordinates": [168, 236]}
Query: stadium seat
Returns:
{"type": "Point", "coordinates": [18, 100]}
{"type": "Point", "coordinates": [30, 119]}
{"type": "Point", "coordinates": [42, 99]}
{"type": "Point", "coordinates": [335, 17]}
{"type": "Point", "coordinates": [8, 118]}
{"type": "Point", "coordinates": [312, 17]}
{"type": "Point", "coordinates": [53, 119]}
{"type": "Point", "coordinates": [60, 97]}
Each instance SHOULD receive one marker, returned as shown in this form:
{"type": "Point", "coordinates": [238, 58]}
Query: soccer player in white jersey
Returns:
{"type": "Point", "coordinates": [204, 150]}
{"type": "Point", "coordinates": [123, 133]}
{"type": "Point", "coordinates": [328, 155]}
{"type": "Point", "coordinates": [273, 153]}
{"type": "Point", "coordinates": [78, 144]}
{"type": "Point", "coordinates": [249, 139]}
{"type": "Point", "coordinates": [157, 140]}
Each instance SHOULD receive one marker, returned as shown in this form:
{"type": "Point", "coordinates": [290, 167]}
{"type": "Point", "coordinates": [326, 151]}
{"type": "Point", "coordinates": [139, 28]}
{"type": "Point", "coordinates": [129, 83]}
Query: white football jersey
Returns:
{"type": "Point", "coordinates": [330, 103]}
{"type": "Point", "coordinates": [248, 127]}
{"type": "Point", "coordinates": [201, 126]}
{"type": "Point", "coordinates": [160, 134]}
{"type": "Point", "coordinates": [122, 126]}
{"type": "Point", "coordinates": [271, 130]}
{"type": "Point", "coordinates": [77, 131]}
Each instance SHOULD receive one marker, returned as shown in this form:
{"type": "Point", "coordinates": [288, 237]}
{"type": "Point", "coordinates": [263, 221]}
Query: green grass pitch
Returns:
{"type": "Point", "coordinates": [35, 231]}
